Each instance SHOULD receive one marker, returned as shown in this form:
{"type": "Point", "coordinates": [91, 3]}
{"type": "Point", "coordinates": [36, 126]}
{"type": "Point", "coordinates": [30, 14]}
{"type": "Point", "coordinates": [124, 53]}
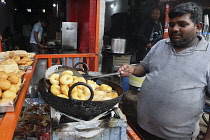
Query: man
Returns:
{"type": "Point", "coordinates": [177, 76]}
{"type": "Point", "coordinates": [37, 35]}
{"type": "Point", "coordinates": [149, 33]}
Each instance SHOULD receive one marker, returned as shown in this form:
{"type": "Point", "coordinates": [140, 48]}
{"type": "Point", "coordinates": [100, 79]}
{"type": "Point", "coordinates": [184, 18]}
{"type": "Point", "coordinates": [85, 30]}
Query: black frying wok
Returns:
{"type": "Point", "coordinates": [85, 110]}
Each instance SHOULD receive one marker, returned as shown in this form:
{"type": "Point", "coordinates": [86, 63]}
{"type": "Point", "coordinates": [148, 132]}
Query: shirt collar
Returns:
{"type": "Point", "coordinates": [201, 46]}
{"type": "Point", "coordinates": [39, 23]}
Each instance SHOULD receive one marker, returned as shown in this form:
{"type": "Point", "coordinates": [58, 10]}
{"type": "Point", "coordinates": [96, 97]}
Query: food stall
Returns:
{"type": "Point", "coordinates": [88, 53]}
{"type": "Point", "coordinates": [88, 48]}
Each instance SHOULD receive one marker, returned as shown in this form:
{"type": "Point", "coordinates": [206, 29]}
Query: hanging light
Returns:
{"type": "Point", "coordinates": [43, 10]}
{"type": "Point", "coordinates": [28, 10]}
{"type": "Point", "coordinates": [113, 5]}
{"type": "Point", "coordinates": [3, 1]}
{"type": "Point", "coordinates": [54, 5]}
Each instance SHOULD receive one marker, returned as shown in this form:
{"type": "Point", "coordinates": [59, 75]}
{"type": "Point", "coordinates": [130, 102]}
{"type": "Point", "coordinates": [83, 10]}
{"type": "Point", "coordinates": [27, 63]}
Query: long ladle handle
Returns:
{"type": "Point", "coordinates": [103, 75]}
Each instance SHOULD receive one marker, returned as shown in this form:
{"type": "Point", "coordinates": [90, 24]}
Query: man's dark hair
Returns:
{"type": "Point", "coordinates": [45, 20]}
{"type": "Point", "coordinates": [187, 8]}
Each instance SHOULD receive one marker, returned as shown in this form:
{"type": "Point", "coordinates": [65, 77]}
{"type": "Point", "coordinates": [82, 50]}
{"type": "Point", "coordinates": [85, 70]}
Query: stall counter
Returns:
{"type": "Point", "coordinates": [9, 121]}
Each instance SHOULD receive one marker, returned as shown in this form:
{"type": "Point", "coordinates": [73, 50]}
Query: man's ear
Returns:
{"type": "Point", "coordinates": [199, 27]}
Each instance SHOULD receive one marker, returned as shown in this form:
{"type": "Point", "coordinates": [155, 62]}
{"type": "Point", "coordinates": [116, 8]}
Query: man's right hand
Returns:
{"type": "Point", "coordinates": [126, 70]}
{"type": "Point", "coordinates": [41, 45]}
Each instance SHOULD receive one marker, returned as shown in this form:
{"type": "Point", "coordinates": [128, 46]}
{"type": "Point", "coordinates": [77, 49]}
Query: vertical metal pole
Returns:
{"type": "Point", "coordinates": [97, 34]}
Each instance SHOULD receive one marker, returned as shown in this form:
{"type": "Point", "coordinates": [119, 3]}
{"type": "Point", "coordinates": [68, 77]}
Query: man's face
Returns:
{"type": "Point", "coordinates": [155, 15]}
{"type": "Point", "coordinates": [43, 24]}
{"type": "Point", "coordinates": [182, 31]}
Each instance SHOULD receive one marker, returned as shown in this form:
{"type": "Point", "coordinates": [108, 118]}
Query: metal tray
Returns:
{"type": "Point", "coordinates": [27, 67]}
{"type": "Point", "coordinates": [11, 106]}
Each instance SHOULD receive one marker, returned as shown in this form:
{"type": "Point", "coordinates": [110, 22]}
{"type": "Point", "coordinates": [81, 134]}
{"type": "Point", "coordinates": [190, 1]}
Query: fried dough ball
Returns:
{"type": "Point", "coordinates": [86, 90]}
{"type": "Point", "coordinates": [4, 100]}
{"type": "Point", "coordinates": [105, 87]}
{"type": "Point", "coordinates": [78, 96]}
{"type": "Point", "coordinates": [11, 73]}
{"type": "Point", "coordinates": [29, 63]}
{"type": "Point", "coordinates": [63, 96]}
{"type": "Point", "coordinates": [65, 89]}
{"type": "Point", "coordinates": [68, 72]}
{"type": "Point", "coordinates": [13, 88]}
{"type": "Point", "coordinates": [55, 89]}
{"type": "Point", "coordinates": [77, 90]}
{"type": "Point", "coordinates": [66, 79]}
{"type": "Point", "coordinates": [16, 57]}
{"type": "Point", "coordinates": [26, 58]}
{"type": "Point", "coordinates": [9, 94]}
{"type": "Point", "coordinates": [11, 54]}
{"type": "Point", "coordinates": [3, 75]}
{"type": "Point", "coordinates": [112, 94]}
{"type": "Point", "coordinates": [17, 87]}
{"type": "Point", "coordinates": [21, 62]}
{"type": "Point", "coordinates": [81, 79]}
{"type": "Point", "coordinates": [20, 73]}
{"type": "Point", "coordinates": [14, 79]}
{"type": "Point", "coordinates": [71, 84]}
{"type": "Point", "coordinates": [92, 84]}
{"type": "Point", "coordinates": [23, 55]}
{"type": "Point", "coordinates": [54, 78]}
{"type": "Point", "coordinates": [5, 84]}
{"type": "Point", "coordinates": [74, 77]}
{"type": "Point", "coordinates": [99, 92]}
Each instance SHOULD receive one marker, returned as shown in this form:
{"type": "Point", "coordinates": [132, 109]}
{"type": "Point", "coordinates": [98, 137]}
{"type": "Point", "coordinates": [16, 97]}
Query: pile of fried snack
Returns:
{"type": "Point", "coordinates": [10, 84]}
{"type": "Point", "coordinates": [10, 74]}
{"type": "Point", "coordinates": [61, 84]}
{"type": "Point", "coordinates": [22, 58]}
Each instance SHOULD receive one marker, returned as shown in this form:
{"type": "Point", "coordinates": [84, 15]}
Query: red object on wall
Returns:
{"type": "Point", "coordinates": [84, 13]}
{"type": "Point", "coordinates": [166, 21]}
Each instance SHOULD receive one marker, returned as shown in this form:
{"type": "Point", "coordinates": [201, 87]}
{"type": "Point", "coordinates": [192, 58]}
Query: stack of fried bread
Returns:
{"type": "Point", "coordinates": [16, 52]}
{"type": "Point", "coordinates": [22, 58]}
{"type": "Point", "coordinates": [9, 86]}
{"type": "Point", "coordinates": [61, 84]}
{"type": "Point", "coordinates": [10, 65]}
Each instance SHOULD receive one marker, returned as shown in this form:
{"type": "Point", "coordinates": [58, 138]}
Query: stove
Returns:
{"type": "Point", "coordinates": [110, 125]}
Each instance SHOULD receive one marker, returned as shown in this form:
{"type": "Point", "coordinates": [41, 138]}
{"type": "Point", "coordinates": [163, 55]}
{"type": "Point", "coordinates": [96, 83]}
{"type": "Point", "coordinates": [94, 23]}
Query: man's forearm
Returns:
{"type": "Point", "coordinates": [139, 70]}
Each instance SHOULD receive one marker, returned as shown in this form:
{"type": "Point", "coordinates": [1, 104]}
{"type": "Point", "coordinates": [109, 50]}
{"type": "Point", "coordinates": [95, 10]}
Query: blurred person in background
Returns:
{"type": "Point", "coordinates": [149, 33]}
{"type": "Point", "coordinates": [37, 38]}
